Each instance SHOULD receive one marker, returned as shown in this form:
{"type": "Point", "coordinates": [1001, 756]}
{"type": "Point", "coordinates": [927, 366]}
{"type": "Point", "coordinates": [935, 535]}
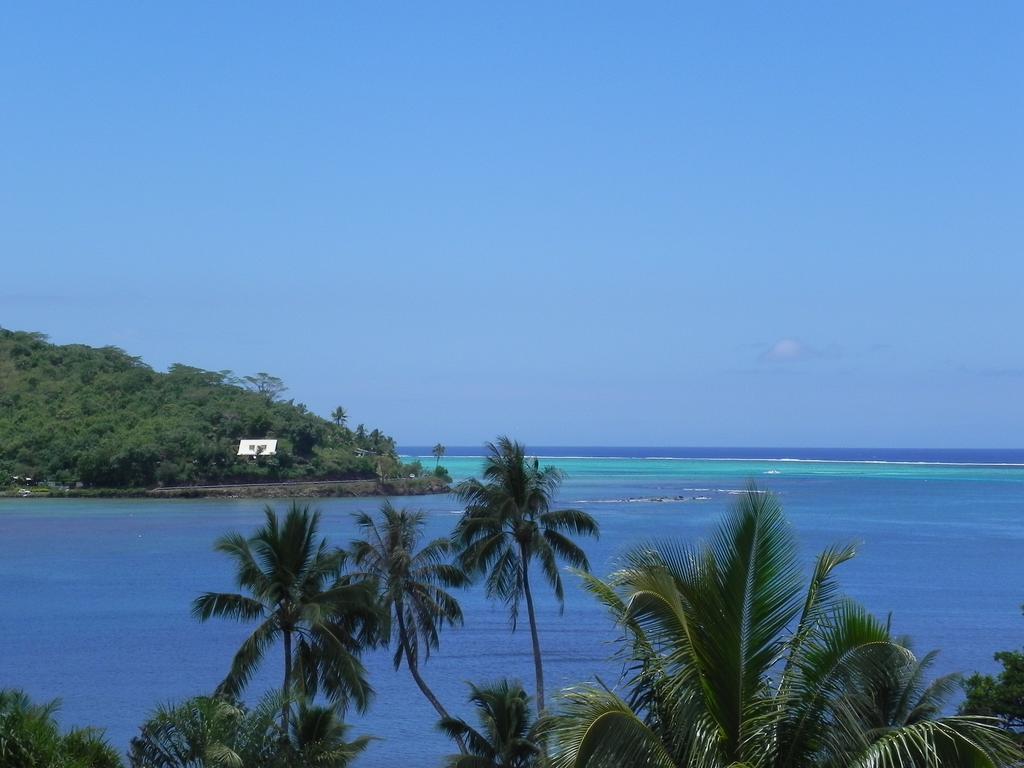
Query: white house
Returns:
{"type": "Point", "coordinates": [264, 447]}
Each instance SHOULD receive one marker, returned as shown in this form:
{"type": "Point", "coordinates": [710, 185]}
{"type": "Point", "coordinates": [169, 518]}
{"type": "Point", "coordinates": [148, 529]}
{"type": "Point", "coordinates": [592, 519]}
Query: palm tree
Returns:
{"type": "Point", "coordinates": [298, 595]}
{"type": "Point", "coordinates": [412, 582]}
{"type": "Point", "coordinates": [508, 523]}
{"type": "Point", "coordinates": [28, 731]}
{"type": "Point", "coordinates": [89, 748]}
{"type": "Point", "coordinates": [508, 739]}
{"type": "Point", "coordinates": [213, 732]}
{"type": "Point", "coordinates": [438, 452]}
{"type": "Point", "coordinates": [206, 731]}
{"type": "Point", "coordinates": [903, 695]}
{"type": "Point", "coordinates": [30, 736]}
{"type": "Point", "coordinates": [318, 740]}
{"type": "Point", "coordinates": [736, 662]}
{"type": "Point", "coordinates": [339, 416]}
{"type": "Point", "coordinates": [377, 441]}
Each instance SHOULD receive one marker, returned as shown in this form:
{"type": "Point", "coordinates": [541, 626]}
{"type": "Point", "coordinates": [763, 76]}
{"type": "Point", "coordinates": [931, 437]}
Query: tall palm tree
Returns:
{"type": "Point", "coordinates": [339, 416]}
{"type": "Point", "coordinates": [298, 594]}
{"type": "Point", "coordinates": [377, 441]}
{"type": "Point", "coordinates": [507, 739]}
{"type": "Point", "coordinates": [737, 662]}
{"type": "Point", "coordinates": [438, 452]}
{"type": "Point", "coordinates": [509, 523]}
{"type": "Point", "coordinates": [412, 582]}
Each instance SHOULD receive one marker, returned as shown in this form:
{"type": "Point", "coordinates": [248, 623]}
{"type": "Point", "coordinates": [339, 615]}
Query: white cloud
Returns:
{"type": "Point", "coordinates": [786, 349]}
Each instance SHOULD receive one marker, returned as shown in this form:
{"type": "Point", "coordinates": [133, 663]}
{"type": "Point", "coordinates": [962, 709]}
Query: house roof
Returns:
{"type": "Point", "coordinates": [262, 447]}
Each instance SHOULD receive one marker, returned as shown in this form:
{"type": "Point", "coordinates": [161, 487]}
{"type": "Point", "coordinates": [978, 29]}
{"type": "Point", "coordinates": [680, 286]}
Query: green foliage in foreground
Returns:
{"type": "Point", "coordinates": [208, 732]}
{"type": "Point", "coordinates": [1000, 696]}
{"type": "Point", "coordinates": [737, 661]}
{"type": "Point", "coordinates": [100, 416]}
{"type": "Point", "coordinates": [507, 736]}
{"type": "Point", "coordinates": [30, 738]}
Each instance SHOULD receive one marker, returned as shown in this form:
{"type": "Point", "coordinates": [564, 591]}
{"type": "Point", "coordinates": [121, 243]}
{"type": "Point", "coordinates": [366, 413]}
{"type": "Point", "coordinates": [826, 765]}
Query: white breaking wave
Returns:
{"type": "Point", "coordinates": [644, 500]}
{"type": "Point", "coordinates": [906, 463]}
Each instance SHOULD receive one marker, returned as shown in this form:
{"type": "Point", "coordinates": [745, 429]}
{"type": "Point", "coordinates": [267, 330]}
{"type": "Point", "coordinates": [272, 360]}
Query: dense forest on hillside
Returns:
{"type": "Point", "coordinates": [103, 418]}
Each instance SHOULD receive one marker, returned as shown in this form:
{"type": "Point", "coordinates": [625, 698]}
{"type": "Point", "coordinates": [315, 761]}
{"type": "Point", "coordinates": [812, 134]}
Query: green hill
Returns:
{"type": "Point", "coordinates": [100, 417]}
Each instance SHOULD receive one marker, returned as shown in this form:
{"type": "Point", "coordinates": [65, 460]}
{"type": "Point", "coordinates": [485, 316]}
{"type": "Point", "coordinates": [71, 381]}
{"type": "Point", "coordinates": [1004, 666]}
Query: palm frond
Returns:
{"type": "Point", "coordinates": [567, 550]}
{"type": "Point", "coordinates": [545, 554]}
{"type": "Point", "coordinates": [574, 521]}
{"type": "Point", "coordinates": [954, 742]}
{"type": "Point", "coordinates": [599, 730]}
{"type": "Point", "coordinates": [456, 728]}
{"type": "Point", "coordinates": [342, 676]}
{"type": "Point", "coordinates": [227, 606]}
{"type": "Point", "coordinates": [248, 573]}
{"type": "Point", "coordinates": [247, 659]}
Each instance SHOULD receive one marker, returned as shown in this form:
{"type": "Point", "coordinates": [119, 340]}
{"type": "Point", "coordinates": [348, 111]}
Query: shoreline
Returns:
{"type": "Point", "coordinates": [420, 486]}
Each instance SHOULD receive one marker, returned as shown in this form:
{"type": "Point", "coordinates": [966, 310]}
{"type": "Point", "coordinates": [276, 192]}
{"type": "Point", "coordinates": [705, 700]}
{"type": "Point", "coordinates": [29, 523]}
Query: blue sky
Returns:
{"type": "Point", "coordinates": [578, 223]}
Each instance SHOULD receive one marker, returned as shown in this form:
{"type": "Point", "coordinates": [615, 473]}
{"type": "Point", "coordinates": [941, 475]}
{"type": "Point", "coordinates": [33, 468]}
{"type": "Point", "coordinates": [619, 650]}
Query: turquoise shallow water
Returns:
{"type": "Point", "coordinates": [96, 593]}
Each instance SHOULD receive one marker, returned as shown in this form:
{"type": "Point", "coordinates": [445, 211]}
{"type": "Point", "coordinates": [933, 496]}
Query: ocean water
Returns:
{"type": "Point", "coordinates": [95, 594]}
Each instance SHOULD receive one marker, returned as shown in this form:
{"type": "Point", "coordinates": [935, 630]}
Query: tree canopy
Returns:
{"type": "Point", "coordinates": [1000, 696]}
{"type": "Point", "coordinates": [297, 593]}
{"type": "Point", "coordinates": [509, 524]}
{"type": "Point", "coordinates": [102, 417]}
{"type": "Point", "coordinates": [31, 738]}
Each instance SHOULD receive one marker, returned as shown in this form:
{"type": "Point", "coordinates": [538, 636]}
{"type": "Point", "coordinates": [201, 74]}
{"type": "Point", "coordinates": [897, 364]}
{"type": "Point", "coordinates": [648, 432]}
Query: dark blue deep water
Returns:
{"type": "Point", "coordinates": [95, 594]}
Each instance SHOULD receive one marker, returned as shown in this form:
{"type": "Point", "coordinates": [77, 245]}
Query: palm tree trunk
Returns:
{"type": "Point", "coordinates": [537, 664]}
{"type": "Point", "coordinates": [286, 691]}
{"type": "Point", "coordinates": [413, 665]}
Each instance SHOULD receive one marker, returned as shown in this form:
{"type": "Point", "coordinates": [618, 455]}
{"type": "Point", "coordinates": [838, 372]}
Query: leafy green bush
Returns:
{"type": "Point", "coordinates": [212, 731]}
{"type": "Point", "coordinates": [30, 738]}
{"type": "Point", "coordinates": [1000, 696]}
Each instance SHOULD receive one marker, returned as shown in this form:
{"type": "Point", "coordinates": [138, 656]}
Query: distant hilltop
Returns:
{"type": "Point", "coordinates": [90, 417]}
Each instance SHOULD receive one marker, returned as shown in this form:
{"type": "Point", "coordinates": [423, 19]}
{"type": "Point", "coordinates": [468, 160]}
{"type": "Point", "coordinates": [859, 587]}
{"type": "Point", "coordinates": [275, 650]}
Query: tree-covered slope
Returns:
{"type": "Point", "coordinates": [104, 418]}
